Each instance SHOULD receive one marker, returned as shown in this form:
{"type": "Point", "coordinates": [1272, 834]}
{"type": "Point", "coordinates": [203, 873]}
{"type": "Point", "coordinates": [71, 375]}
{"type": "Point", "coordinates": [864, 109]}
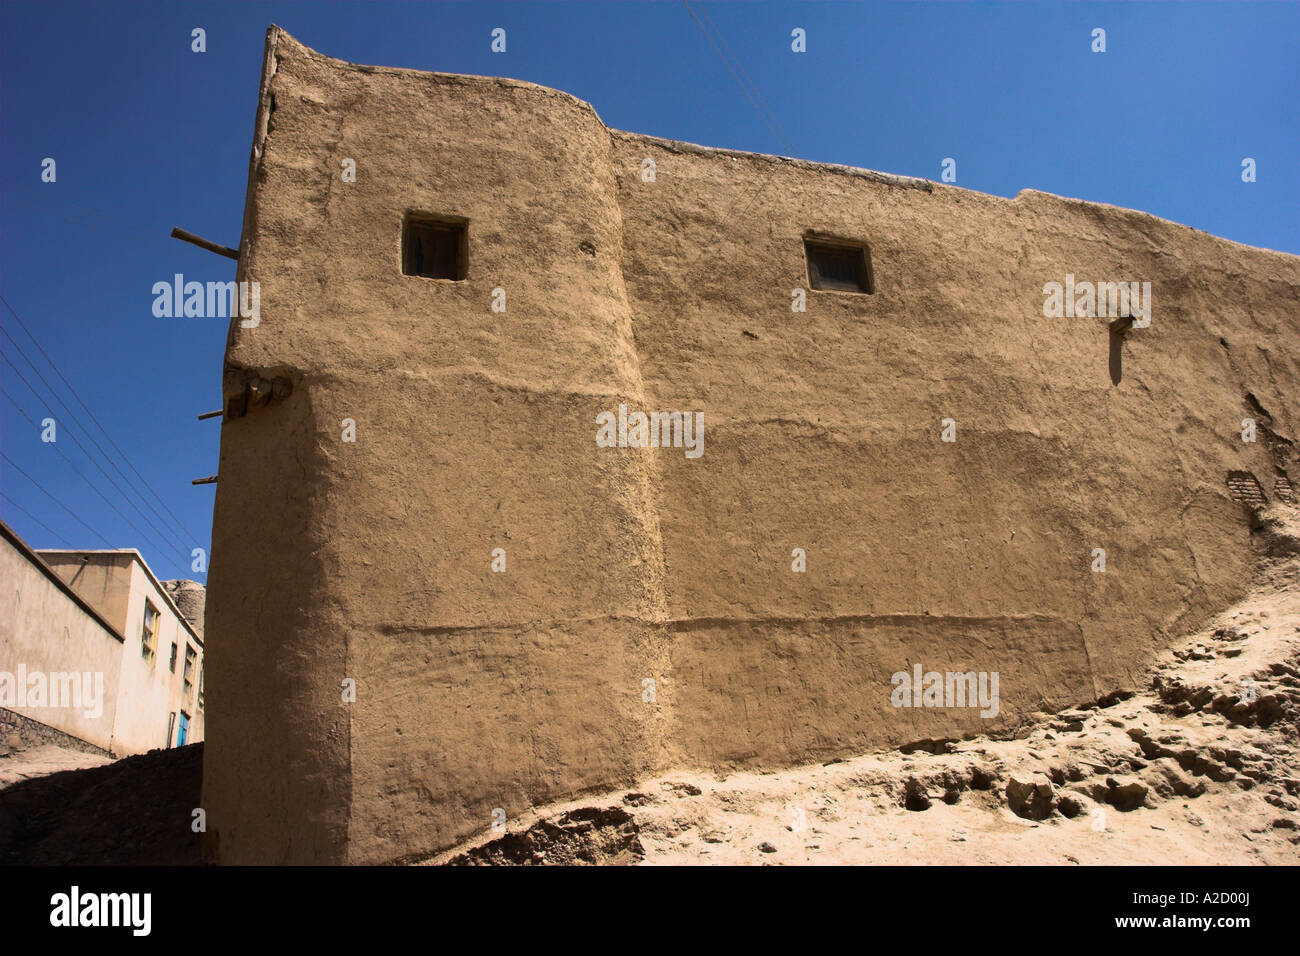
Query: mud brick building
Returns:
{"type": "Point", "coordinates": [505, 268]}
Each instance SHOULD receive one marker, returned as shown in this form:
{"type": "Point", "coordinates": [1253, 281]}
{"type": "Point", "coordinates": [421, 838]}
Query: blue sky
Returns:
{"type": "Point", "coordinates": [148, 135]}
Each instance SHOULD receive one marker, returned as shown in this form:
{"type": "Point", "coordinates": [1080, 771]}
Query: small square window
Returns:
{"type": "Point", "coordinates": [839, 266]}
{"type": "Point", "coordinates": [435, 248]}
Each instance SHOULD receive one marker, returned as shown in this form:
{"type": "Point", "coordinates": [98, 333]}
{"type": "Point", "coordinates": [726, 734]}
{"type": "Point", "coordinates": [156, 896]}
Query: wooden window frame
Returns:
{"type": "Point", "coordinates": [149, 637]}
{"type": "Point", "coordinates": [865, 282]}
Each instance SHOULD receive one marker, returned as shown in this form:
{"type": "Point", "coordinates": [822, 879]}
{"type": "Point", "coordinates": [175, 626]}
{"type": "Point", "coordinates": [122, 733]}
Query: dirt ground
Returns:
{"type": "Point", "coordinates": [59, 807]}
{"type": "Point", "coordinates": [32, 763]}
{"type": "Point", "coordinates": [1202, 766]}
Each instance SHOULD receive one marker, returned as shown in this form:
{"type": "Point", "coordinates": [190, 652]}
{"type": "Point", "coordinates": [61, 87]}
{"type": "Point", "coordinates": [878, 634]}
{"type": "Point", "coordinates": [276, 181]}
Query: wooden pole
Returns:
{"type": "Point", "coordinates": [179, 233]}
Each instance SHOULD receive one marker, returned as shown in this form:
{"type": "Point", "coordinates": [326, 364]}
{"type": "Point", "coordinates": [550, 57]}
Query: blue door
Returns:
{"type": "Point", "coordinates": [184, 730]}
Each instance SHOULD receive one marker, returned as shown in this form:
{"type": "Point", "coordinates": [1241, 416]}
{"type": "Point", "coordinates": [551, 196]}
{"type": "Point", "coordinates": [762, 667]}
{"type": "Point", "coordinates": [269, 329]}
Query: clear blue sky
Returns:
{"type": "Point", "coordinates": [148, 135]}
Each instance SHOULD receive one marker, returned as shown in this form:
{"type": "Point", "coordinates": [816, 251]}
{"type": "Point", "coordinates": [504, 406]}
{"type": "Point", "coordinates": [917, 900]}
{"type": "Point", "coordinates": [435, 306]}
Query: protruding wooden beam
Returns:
{"type": "Point", "coordinates": [179, 233]}
{"type": "Point", "coordinates": [217, 414]}
{"type": "Point", "coordinates": [210, 480]}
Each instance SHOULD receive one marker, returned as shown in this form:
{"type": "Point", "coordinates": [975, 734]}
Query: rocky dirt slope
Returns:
{"type": "Point", "coordinates": [1201, 766]}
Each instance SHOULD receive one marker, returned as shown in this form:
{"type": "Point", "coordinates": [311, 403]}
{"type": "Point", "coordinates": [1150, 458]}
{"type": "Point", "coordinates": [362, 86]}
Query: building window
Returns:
{"type": "Point", "coordinates": [171, 664]}
{"type": "Point", "coordinates": [183, 731]}
{"type": "Point", "coordinates": [839, 265]}
{"type": "Point", "coordinates": [435, 248]}
{"type": "Point", "coordinates": [149, 632]}
{"type": "Point", "coordinates": [190, 657]}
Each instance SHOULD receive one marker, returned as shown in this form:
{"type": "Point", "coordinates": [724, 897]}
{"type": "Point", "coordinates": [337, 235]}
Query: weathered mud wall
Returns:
{"type": "Point", "coordinates": [371, 560]}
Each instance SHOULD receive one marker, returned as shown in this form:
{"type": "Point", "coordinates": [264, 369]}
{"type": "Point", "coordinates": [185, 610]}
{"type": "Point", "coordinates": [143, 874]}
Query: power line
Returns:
{"type": "Point", "coordinates": [178, 523]}
{"type": "Point", "coordinates": [15, 467]}
{"type": "Point", "coordinates": [161, 538]}
{"type": "Point", "coordinates": [98, 447]}
{"type": "Point", "coordinates": [53, 392]}
{"type": "Point", "coordinates": [773, 126]}
{"type": "Point", "coordinates": [120, 226]}
{"type": "Point", "coordinates": [59, 452]}
{"type": "Point", "coordinates": [143, 537]}
{"type": "Point", "coordinates": [37, 520]}
{"type": "Point", "coordinates": [73, 416]}
{"type": "Point", "coordinates": [756, 99]}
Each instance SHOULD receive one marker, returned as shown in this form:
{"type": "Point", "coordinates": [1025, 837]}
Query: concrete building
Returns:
{"type": "Point", "coordinates": [914, 458]}
{"type": "Point", "coordinates": [120, 665]}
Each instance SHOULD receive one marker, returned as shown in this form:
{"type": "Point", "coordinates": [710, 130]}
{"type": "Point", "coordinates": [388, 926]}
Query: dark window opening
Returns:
{"type": "Point", "coordinates": [435, 248]}
{"type": "Point", "coordinates": [839, 266]}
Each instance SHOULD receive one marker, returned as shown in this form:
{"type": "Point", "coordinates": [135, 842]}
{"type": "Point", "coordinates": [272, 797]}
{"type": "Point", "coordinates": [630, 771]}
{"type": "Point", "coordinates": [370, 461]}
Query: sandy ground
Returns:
{"type": "Point", "coordinates": [16, 765]}
{"type": "Point", "coordinates": [1200, 767]}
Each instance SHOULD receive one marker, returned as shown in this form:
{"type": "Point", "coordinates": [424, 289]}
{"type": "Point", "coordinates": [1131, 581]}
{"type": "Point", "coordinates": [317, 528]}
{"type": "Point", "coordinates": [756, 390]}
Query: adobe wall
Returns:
{"type": "Point", "coordinates": [45, 631]}
{"type": "Point", "coordinates": [370, 560]}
